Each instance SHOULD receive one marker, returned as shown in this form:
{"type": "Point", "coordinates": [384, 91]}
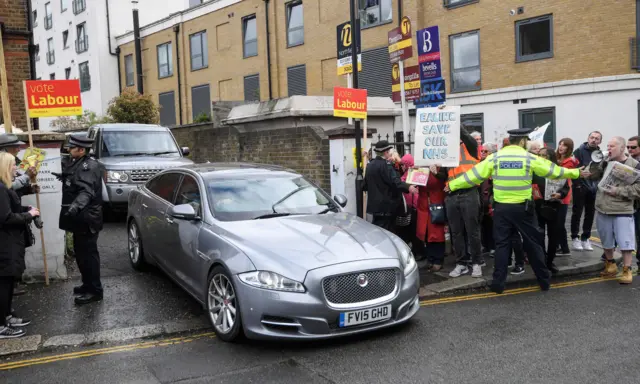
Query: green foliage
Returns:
{"type": "Point", "coordinates": [202, 118]}
{"type": "Point", "coordinates": [78, 123]}
{"type": "Point", "coordinates": [132, 107]}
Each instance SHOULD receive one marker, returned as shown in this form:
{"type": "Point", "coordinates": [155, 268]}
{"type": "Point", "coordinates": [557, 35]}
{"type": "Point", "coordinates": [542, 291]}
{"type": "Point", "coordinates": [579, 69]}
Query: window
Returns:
{"type": "Point", "coordinates": [167, 103]}
{"type": "Point", "coordinates": [375, 75]}
{"type": "Point", "coordinates": [532, 118]}
{"type": "Point", "coordinates": [534, 38]}
{"type": "Point", "coordinates": [116, 143]}
{"type": "Point", "coordinates": [85, 76]}
{"type": "Point", "coordinates": [189, 193]}
{"type": "Point", "coordinates": [51, 57]}
{"type": "Point", "coordinates": [473, 122]}
{"type": "Point", "coordinates": [34, 18]}
{"type": "Point", "coordinates": [297, 80]}
{"type": "Point", "coordinates": [200, 101]}
{"type": "Point", "coordinates": [48, 17]}
{"type": "Point", "coordinates": [199, 50]}
{"type": "Point", "coordinates": [193, 3]}
{"type": "Point", "coordinates": [36, 52]}
{"type": "Point", "coordinates": [465, 62]}
{"type": "Point", "coordinates": [374, 12]}
{"type": "Point", "coordinates": [252, 88]}
{"type": "Point", "coordinates": [78, 6]}
{"type": "Point", "coordinates": [82, 42]}
{"type": "Point", "coordinates": [128, 70]}
{"type": "Point", "coordinates": [164, 186]}
{"type": "Point", "coordinates": [67, 73]}
{"type": "Point", "coordinates": [165, 60]}
{"type": "Point", "coordinates": [458, 3]}
{"type": "Point", "coordinates": [249, 36]}
{"type": "Point", "coordinates": [295, 24]}
{"type": "Point", "coordinates": [64, 4]}
{"type": "Point", "coordinates": [52, 76]}
{"type": "Point", "coordinates": [65, 39]}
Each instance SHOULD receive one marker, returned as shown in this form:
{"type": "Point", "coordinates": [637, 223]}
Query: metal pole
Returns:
{"type": "Point", "coordinates": [355, 28]}
{"type": "Point", "coordinates": [350, 85]}
{"type": "Point", "coordinates": [136, 37]}
{"type": "Point", "coordinates": [403, 103]}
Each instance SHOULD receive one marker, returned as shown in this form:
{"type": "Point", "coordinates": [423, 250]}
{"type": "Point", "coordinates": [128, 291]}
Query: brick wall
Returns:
{"type": "Point", "coordinates": [16, 51]}
{"type": "Point", "coordinates": [304, 149]}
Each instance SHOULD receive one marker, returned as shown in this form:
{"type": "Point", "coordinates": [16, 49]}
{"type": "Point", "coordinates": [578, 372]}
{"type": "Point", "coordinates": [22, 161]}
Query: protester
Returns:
{"type": "Point", "coordinates": [382, 184]}
{"type": "Point", "coordinates": [431, 217]}
{"type": "Point", "coordinates": [486, 197]}
{"type": "Point", "coordinates": [584, 196]}
{"type": "Point", "coordinates": [14, 219]}
{"type": "Point", "coordinates": [615, 208]}
{"type": "Point", "coordinates": [533, 147]}
{"type": "Point", "coordinates": [478, 138]}
{"type": "Point", "coordinates": [634, 151]}
{"type": "Point", "coordinates": [564, 155]}
{"type": "Point", "coordinates": [408, 231]}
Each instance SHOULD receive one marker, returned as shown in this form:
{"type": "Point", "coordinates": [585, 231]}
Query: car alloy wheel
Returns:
{"type": "Point", "coordinates": [135, 246]}
{"type": "Point", "coordinates": [222, 305]}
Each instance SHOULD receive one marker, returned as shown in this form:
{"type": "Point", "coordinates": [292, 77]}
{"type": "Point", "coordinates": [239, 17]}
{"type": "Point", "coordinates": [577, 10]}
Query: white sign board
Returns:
{"type": "Point", "coordinates": [538, 134]}
{"type": "Point", "coordinates": [553, 186]}
{"type": "Point", "coordinates": [437, 137]}
{"type": "Point", "coordinates": [51, 163]}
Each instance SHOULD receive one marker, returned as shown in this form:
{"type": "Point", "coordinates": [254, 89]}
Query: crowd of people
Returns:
{"type": "Point", "coordinates": [420, 215]}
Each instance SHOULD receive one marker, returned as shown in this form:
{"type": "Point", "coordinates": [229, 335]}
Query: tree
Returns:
{"type": "Point", "coordinates": [78, 123]}
{"type": "Point", "coordinates": [132, 107]}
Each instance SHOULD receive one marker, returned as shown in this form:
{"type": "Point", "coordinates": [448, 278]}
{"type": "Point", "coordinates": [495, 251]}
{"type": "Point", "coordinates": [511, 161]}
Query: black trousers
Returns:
{"type": "Point", "coordinates": [553, 230]}
{"type": "Point", "coordinates": [463, 216]}
{"type": "Point", "coordinates": [583, 200]}
{"type": "Point", "coordinates": [7, 284]}
{"type": "Point", "coordinates": [508, 221]}
{"type": "Point", "coordinates": [85, 247]}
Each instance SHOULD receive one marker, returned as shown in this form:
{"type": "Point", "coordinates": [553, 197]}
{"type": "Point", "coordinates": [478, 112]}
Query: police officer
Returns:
{"type": "Point", "coordinates": [81, 214]}
{"type": "Point", "coordinates": [512, 169]}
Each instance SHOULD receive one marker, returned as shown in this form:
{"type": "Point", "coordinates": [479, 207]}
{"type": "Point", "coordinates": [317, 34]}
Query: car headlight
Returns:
{"type": "Point", "coordinates": [406, 256]}
{"type": "Point", "coordinates": [117, 177]}
{"type": "Point", "coordinates": [271, 280]}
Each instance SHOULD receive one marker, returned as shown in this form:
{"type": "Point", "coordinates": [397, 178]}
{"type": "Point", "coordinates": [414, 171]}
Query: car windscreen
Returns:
{"type": "Point", "coordinates": [138, 143]}
{"type": "Point", "coordinates": [261, 196]}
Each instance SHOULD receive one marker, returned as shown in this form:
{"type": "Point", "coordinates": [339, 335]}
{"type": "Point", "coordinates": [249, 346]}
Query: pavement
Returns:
{"type": "Point", "coordinates": [578, 332]}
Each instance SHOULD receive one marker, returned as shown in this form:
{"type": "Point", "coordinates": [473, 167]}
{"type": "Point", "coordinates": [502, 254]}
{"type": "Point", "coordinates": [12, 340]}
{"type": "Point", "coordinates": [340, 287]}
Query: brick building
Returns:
{"type": "Point", "coordinates": [16, 37]}
{"type": "Point", "coordinates": [516, 62]}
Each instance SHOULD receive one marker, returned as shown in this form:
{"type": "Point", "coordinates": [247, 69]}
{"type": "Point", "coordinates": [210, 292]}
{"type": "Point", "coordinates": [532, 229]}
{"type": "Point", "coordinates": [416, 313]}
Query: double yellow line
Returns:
{"type": "Point", "coordinates": [104, 351]}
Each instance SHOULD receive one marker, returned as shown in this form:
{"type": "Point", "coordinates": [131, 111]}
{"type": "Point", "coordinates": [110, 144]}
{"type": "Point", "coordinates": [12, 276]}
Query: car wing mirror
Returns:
{"type": "Point", "coordinates": [185, 151]}
{"type": "Point", "coordinates": [184, 212]}
{"type": "Point", "coordinates": [341, 200]}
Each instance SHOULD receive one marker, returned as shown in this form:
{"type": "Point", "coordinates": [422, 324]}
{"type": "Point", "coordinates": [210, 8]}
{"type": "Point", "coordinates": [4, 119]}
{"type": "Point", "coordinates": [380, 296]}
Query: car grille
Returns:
{"type": "Point", "coordinates": [141, 175]}
{"type": "Point", "coordinates": [344, 289]}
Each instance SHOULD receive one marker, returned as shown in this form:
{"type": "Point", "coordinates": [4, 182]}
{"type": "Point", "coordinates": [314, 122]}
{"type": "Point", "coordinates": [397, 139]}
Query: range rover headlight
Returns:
{"type": "Point", "coordinates": [117, 177]}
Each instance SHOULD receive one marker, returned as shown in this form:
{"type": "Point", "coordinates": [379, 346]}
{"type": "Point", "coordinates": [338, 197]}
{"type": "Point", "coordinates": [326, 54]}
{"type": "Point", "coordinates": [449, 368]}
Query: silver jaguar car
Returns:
{"type": "Point", "coordinates": [269, 254]}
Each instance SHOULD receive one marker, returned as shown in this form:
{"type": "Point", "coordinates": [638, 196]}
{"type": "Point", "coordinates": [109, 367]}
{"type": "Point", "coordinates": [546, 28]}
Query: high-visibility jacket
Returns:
{"type": "Point", "coordinates": [467, 162]}
{"type": "Point", "coordinates": [512, 169]}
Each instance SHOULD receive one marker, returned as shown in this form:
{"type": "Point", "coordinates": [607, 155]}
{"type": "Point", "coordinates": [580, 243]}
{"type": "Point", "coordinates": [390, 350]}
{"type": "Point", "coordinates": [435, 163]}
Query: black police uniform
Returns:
{"type": "Point", "coordinates": [81, 214]}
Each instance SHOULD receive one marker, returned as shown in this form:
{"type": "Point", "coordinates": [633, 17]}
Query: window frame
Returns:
{"type": "Point", "coordinates": [65, 41]}
{"type": "Point", "coordinates": [62, 6]}
{"type": "Point", "coordinates": [447, 3]}
{"type": "Point", "coordinates": [85, 38]}
{"type": "Point", "coordinates": [362, 12]}
{"type": "Point", "coordinates": [52, 76]}
{"type": "Point", "coordinates": [34, 18]}
{"type": "Point", "coordinates": [51, 55]}
{"type": "Point", "coordinates": [175, 112]}
{"type": "Point", "coordinates": [79, 6]}
{"type": "Point", "coordinates": [67, 73]}
{"type": "Point", "coordinates": [168, 46]}
{"type": "Point", "coordinates": [244, 79]}
{"type": "Point", "coordinates": [536, 56]}
{"type": "Point", "coordinates": [126, 73]}
{"type": "Point", "coordinates": [205, 55]}
{"type": "Point", "coordinates": [158, 177]}
{"type": "Point", "coordinates": [288, 8]}
{"type": "Point", "coordinates": [80, 77]}
{"type": "Point", "coordinates": [306, 85]}
{"type": "Point", "coordinates": [522, 112]}
{"type": "Point", "coordinates": [48, 16]}
{"type": "Point", "coordinates": [452, 69]}
{"type": "Point", "coordinates": [479, 116]}
{"type": "Point", "coordinates": [199, 213]}
{"type": "Point", "coordinates": [245, 21]}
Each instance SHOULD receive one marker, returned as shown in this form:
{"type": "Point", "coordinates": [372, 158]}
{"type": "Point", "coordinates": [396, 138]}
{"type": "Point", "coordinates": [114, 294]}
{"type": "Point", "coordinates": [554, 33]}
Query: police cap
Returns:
{"type": "Point", "coordinates": [80, 141]}
{"type": "Point", "coordinates": [9, 140]}
{"type": "Point", "coordinates": [522, 132]}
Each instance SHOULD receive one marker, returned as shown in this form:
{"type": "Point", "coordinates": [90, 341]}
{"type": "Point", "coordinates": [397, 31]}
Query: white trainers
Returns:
{"type": "Point", "coordinates": [586, 245]}
{"type": "Point", "coordinates": [577, 245]}
{"type": "Point", "coordinates": [477, 271]}
{"type": "Point", "coordinates": [459, 271]}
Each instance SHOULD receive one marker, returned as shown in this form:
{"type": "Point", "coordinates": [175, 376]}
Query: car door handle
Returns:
{"type": "Point", "coordinates": [169, 220]}
{"type": "Point", "coordinates": [144, 205]}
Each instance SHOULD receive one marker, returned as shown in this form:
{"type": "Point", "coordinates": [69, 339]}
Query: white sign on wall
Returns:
{"type": "Point", "coordinates": [51, 163]}
{"type": "Point", "coordinates": [437, 136]}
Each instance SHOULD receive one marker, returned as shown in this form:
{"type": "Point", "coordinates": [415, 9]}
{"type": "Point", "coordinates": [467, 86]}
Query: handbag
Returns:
{"type": "Point", "coordinates": [404, 219]}
{"type": "Point", "coordinates": [437, 213]}
{"type": "Point", "coordinates": [29, 239]}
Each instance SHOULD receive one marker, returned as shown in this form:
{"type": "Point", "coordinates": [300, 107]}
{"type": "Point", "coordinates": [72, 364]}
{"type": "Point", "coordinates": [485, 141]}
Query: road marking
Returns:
{"type": "Point", "coordinates": [104, 351]}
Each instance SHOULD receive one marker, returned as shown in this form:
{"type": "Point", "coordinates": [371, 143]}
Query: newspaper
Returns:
{"type": "Point", "coordinates": [618, 174]}
{"type": "Point", "coordinates": [552, 186]}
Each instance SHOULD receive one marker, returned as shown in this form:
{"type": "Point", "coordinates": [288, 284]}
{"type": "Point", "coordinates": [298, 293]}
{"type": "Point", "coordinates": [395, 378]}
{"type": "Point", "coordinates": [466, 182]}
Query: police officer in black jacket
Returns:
{"type": "Point", "coordinates": [81, 214]}
{"type": "Point", "coordinates": [384, 187]}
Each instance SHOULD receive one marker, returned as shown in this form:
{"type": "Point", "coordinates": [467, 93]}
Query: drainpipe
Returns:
{"type": "Point", "coordinates": [399, 12]}
{"type": "Point", "coordinates": [266, 8]}
{"type": "Point", "coordinates": [176, 29]}
{"type": "Point", "coordinates": [119, 74]}
{"type": "Point", "coordinates": [117, 52]}
{"type": "Point", "coordinates": [136, 38]}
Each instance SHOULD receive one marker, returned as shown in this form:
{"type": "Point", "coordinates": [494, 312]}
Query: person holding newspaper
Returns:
{"type": "Point", "coordinates": [618, 188]}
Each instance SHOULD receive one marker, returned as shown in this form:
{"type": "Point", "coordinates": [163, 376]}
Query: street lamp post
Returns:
{"type": "Point", "coordinates": [355, 28]}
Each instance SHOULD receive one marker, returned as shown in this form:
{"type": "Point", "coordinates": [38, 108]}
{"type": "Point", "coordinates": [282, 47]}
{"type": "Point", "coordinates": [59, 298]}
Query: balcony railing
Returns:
{"type": "Point", "coordinates": [634, 50]}
{"type": "Point", "coordinates": [51, 57]}
{"type": "Point", "coordinates": [79, 6]}
{"type": "Point", "coordinates": [48, 22]}
{"type": "Point", "coordinates": [82, 45]}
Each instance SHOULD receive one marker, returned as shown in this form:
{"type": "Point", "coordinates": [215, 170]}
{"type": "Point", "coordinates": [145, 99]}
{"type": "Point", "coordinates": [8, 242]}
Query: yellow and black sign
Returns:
{"type": "Point", "coordinates": [344, 34]}
{"type": "Point", "coordinates": [400, 44]}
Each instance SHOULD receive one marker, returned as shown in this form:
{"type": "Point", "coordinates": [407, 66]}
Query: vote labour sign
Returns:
{"type": "Point", "coordinates": [350, 102]}
{"type": "Point", "coordinates": [51, 98]}
{"type": "Point", "coordinates": [437, 136]}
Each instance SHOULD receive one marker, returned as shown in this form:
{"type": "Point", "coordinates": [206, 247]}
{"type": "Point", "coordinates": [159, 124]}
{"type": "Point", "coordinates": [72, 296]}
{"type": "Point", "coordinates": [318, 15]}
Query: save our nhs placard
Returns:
{"type": "Point", "coordinates": [437, 136]}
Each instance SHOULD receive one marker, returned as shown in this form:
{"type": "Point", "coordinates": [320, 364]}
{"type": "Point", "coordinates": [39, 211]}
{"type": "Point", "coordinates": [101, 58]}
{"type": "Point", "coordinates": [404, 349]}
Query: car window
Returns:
{"type": "Point", "coordinates": [164, 186]}
{"type": "Point", "coordinates": [138, 142]}
{"type": "Point", "coordinates": [189, 193]}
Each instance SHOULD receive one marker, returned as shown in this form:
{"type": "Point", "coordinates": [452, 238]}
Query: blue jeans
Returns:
{"type": "Point", "coordinates": [636, 217]}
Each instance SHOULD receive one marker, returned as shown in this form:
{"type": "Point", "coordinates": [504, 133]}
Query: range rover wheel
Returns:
{"type": "Point", "coordinates": [222, 305]}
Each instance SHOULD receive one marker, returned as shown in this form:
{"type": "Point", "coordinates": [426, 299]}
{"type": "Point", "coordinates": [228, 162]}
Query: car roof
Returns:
{"type": "Point", "coordinates": [238, 169]}
{"type": "Point", "coordinates": [129, 126]}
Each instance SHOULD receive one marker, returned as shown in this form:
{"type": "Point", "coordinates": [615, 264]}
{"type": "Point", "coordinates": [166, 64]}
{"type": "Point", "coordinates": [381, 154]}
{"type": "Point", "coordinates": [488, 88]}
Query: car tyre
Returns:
{"type": "Point", "coordinates": [135, 248]}
{"type": "Point", "coordinates": [223, 306]}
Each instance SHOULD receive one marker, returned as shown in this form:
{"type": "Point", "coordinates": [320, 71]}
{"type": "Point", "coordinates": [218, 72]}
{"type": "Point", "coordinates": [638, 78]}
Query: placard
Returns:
{"type": "Point", "coordinates": [552, 186]}
{"type": "Point", "coordinates": [33, 157]}
{"type": "Point", "coordinates": [52, 98]}
{"type": "Point", "coordinates": [418, 176]}
{"type": "Point", "coordinates": [50, 163]}
{"type": "Point", "coordinates": [437, 136]}
{"type": "Point", "coordinates": [350, 102]}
